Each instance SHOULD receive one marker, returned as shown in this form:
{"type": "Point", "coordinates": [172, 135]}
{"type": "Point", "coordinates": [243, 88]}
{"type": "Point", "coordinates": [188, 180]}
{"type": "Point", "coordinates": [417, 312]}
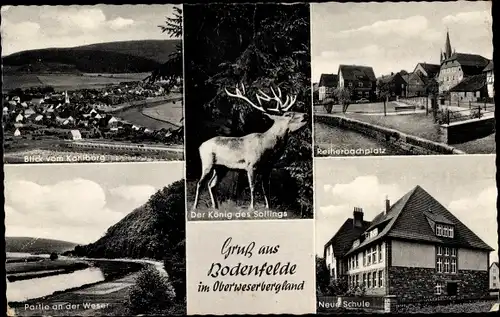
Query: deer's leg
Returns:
{"type": "Point", "coordinates": [204, 175]}
{"type": "Point", "coordinates": [250, 173]}
{"type": "Point", "coordinates": [211, 184]}
{"type": "Point", "coordinates": [265, 187]}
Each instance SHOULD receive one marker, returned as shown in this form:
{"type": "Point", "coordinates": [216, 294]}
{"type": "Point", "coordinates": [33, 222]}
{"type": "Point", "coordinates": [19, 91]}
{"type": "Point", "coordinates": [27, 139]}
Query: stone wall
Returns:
{"type": "Point", "coordinates": [468, 130]}
{"type": "Point", "coordinates": [408, 143]}
{"type": "Point", "coordinates": [418, 284]}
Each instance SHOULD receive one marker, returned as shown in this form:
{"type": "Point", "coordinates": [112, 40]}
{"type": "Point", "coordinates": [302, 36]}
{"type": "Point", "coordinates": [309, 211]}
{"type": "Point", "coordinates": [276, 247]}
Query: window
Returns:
{"type": "Point", "coordinates": [380, 253]}
{"type": "Point", "coordinates": [451, 232]}
{"type": "Point", "coordinates": [439, 289]}
{"type": "Point", "coordinates": [439, 250]}
{"type": "Point", "coordinates": [439, 265]}
{"type": "Point", "coordinates": [357, 280]}
{"type": "Point", "coordinates": [451, 288]}
{"type": "Point", "coordinates": [369, 257]}
{"type": "Point", "coordinates": [439, 230]}
{"type": "Point", "coordinates": [446, 251]}
{"type": "Point", "coordinates": [350, 84]}
{"type": "Point", "coordinates": [364, 279]}
{"type": "Point", "coordinates": [374, 254]}
{"type": "Point", "coordinates": [333, 272]}
{"type": "Point", "coordinates": [380, 278]}
{"type": "Point", "coordinates": [374, 279]}
{"type": "Point", "coordinates": [360, 84]}
{"type": "Point", "coordinates": [453, 265]}
{"type": "Point", "coordinates": [364, 258]}
{"type": "Point", "coordinates": [446, 265]}
{"type": "Point", "coordinates": [357, 262]}
{"type": "Point", "coordinates": [369, 280]}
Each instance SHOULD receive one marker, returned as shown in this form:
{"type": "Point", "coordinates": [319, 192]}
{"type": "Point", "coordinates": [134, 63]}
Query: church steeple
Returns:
{"type": "Point", "coordinates": [447, 46]}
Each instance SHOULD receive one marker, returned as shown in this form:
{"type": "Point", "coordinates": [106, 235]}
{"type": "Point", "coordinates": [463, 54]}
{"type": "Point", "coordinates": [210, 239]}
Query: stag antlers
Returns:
{"type": "Point", "coordinates": [261, 96]}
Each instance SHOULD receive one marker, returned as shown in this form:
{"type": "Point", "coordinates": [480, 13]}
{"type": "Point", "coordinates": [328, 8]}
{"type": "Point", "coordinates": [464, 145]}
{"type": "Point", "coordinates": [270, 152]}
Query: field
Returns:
{"type": "Point", "coordinates": [62, 82]}
{"type": "Point", "coordinates": [170, 112]}
{"type": "Point", "coordinates": [43, 265]}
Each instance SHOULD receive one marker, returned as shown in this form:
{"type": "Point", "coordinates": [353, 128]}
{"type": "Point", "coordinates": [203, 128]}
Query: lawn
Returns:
{"type": "Point", "coordinates": [418, 124]}
{"type": "Point", "coordinates": [484, 145]}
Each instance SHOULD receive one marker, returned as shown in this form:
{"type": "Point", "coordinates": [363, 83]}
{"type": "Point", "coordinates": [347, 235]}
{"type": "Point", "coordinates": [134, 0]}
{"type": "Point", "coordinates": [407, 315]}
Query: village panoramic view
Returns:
{"type": "Point", "coordinates": [394, 81]}
{"type": "Point", "coordinates": [113, 93]}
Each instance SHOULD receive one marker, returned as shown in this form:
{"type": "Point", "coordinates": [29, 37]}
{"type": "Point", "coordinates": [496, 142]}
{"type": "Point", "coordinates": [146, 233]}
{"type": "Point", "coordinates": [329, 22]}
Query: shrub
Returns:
{"type": "Point", "coordinates": [151, 293]}
{"type": "Point", "coordinates": [53, 256]}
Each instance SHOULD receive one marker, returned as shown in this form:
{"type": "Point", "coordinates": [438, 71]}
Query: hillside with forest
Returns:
{"type": "Point", "coordinates": [36, 245]}
{"type": "Point", "coordinates": [155, 230]}
{"type": "Point", "coordinates": [112, 57]}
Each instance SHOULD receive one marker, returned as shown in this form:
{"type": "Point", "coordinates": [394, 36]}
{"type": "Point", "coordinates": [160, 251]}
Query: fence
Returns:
{"type": "Point", "coordinates": [416, 101]}
{"type": "Point", "coordinates": [474, 112]}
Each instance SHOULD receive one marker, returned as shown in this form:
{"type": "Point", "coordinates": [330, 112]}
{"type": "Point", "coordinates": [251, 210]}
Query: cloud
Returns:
{"type": "Point", "coordinates": [366, 192]}
{"type": "Point", "coordinates": [409, 27]}
{"type": "Point", "coordinates": [18, 31]}
{"type": "Point", "coordinates": [75, 18]}
{"type": "Point", "coordinates": [137, 194]}
{"type": "Point", "coordinates": [472, 18]}
{"type": "Point", "coordinates": [65, 210]}
{"type": "Point", "coordinates": [479, 214]}
{"type": "Point", "coordinates": [120, 23]}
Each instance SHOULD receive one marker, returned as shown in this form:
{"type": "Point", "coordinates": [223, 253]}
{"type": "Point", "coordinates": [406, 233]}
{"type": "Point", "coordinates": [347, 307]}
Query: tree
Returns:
{"type": "Point", "coordinates": [172, 69]}
{"type": "Point", "coordinates": [322, 276]}
{"type": "Point", "coordinates": [343, 95]}
{"type": "Point", "coordinates": [384, 92]}
{"type": "Point", "coordinates": [53, 256]}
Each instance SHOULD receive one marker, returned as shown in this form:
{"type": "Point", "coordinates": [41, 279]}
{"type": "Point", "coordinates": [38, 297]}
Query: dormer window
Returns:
{"type": "Point", "coordinates": [443, 230]}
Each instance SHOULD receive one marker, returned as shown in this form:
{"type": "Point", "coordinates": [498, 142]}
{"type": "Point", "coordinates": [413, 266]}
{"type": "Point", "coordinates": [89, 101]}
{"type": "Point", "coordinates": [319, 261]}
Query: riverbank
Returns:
{"type": "Point", "coordinates": [87, 299]}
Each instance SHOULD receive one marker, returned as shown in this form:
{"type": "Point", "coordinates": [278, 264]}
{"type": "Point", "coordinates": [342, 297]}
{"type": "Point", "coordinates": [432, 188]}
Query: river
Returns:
{"type": "Point", "coordinates": [102, 270]}
{"type": "Point", "coordinates": [334, 141]}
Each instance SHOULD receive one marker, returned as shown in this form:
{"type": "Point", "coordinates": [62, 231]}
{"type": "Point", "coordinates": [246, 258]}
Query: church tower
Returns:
{"type": "Point", "coordinates": [447, 48]}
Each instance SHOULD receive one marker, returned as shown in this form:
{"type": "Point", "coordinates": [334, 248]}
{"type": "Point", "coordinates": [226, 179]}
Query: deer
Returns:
{"type": "Point", "coordinates": [255, 153]}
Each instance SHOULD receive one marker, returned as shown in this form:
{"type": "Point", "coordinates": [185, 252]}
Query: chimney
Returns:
{"type": "Point", "coordinates": [358, 217]}
{"type": "Point", "coordinates": [387, 204]}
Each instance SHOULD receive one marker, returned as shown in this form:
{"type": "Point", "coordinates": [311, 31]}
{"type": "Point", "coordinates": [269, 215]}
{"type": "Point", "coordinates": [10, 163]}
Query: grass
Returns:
{"type": "Point", "coordinates": [486, 145]}
{"type": "Point", "coordinates": [417, 124]}
{"type": "Point", "coordinates": [231, 210]}
{"type": "Point", "coordinates": [328, 140]}
{"type": "Point", "coordinates": [43, 265]}
{"type": "Point", "coordinates": [476, 307]}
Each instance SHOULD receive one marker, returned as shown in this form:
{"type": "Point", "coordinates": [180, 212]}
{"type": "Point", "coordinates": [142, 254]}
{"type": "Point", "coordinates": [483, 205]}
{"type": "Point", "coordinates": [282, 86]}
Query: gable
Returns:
{"type": "Point", "coordinates": [412, 223]}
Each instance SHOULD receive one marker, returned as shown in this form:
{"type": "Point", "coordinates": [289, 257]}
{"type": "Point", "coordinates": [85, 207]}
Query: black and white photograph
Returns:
{"type": "Point", "coordinates": [408, 78]}
{"type": "Point", "coordinates": [93, 84]}
{"type": "Point", "coordinates": [248, 109]}
{"type": "Point", "coordinates": [95, 239]}
{"type": "Point", "coordinates": [412, 234]}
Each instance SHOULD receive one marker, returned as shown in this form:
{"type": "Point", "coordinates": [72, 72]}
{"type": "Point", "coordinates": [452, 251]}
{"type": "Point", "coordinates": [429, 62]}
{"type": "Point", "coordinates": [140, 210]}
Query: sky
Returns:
{"type": "Point", "coordinates": [393, 36]}
{"type": "Point", "coordinates": [465, 185]}
{"type": "Point", "coordinates": [79, 202]}
{"type": "Point", "coordinates": [35, 27]}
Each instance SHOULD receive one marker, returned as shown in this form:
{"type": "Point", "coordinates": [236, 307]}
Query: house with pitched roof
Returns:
{"type": "Point", "coordinates": [418, 80]}
{"type": "Point", "coordinates": [415, 249]}
{"type": "Point", "coordinates": [473, 89]}
{"type": "Point", "coordinates": [494, 276]}
{"type": "Point", "coordinates": [395, 83]}
{"type": "Point", "coordinates": [327, 84]}
{"type": "Point", "coordinates": [360, 80]}
{"type": "Point", "coordinates": [490, 79]}
{"type": "Point", "coordinates": [455, 67]}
